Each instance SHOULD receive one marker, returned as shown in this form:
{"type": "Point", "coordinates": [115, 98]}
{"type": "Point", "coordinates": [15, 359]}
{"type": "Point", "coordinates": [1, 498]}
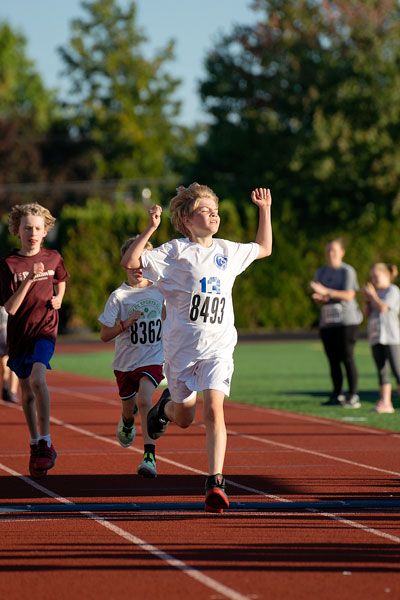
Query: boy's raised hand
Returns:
{"type": "Point", "coordinates": [155, 215]}
{"type": "Point", "coordinates": [261, 197]}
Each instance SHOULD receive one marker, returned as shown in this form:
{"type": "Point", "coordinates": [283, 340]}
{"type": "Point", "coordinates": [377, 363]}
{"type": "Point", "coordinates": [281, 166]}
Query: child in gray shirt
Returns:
{"type": "Point", "coordinates": [383, 306]}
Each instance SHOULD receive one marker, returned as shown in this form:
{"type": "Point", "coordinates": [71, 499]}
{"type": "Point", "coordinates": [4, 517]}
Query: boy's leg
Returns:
{"type": "Point", "coordinates": [128, 407]}
{"type": "Point", "coordinates": [9, 381]}
{"type": "Point", "coordinates": [127, 387]}
{"type": "Point", "coordinates": [143, 400]}
{"type": "Point", "coordinates": [214, 422]}
{"type": "Point", "coordinates": [46, 452]}
{"type": "Point", "coordinates": [126, 430]}
{"type": "Point", "coordinates": [180, 413]}
{"type": "Point", "coordinates": [29, 408]}
{"type": "Point", "coordinates": [147, 468]}
{"type": "Point", "coordinates": [41, 393]}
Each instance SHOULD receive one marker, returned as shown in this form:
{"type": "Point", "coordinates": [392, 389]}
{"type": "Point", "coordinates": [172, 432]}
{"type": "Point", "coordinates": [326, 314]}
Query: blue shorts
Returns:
{"type": "Point", "coordinates": [42, 353]}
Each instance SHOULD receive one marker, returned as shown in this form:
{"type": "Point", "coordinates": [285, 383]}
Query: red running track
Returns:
{"type": "Point", "coordinates": [272, 456]}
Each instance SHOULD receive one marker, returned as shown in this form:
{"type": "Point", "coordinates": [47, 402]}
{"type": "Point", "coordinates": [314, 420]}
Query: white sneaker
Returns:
{"type": "Point", "coordinates": [147, 467]}
{"type": "Point", "coordinates": [125, 434]}
{"type": "Point", "coordinates": [352, 402]}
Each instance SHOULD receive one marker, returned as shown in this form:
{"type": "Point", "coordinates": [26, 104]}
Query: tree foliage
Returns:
{"type": "Point", "coordinates": [26, 109]}
{"type": "Point", "coordinates": [120, 100]}
{"type": "Point", "coordinates": [307, 101]}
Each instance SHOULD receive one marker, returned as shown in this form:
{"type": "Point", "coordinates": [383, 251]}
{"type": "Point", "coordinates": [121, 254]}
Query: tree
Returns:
{"type": "Point", "coordinates": [26, 110]}
{"type": "Point", "coordinates": [307, 101]}
{"type": "Point", "coordinates": [122, 102]}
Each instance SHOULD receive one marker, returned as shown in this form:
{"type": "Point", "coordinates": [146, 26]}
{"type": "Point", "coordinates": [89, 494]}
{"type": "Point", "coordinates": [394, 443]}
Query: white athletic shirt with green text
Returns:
{"type": "Point", "coordinates": [141, 344]}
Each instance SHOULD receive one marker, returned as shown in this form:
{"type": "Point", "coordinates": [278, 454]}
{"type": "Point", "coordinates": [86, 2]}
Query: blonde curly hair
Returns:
{"type": "Point", "coordinates": [22, 210]}
{"type": "Point", "coordinates": [186, 201]}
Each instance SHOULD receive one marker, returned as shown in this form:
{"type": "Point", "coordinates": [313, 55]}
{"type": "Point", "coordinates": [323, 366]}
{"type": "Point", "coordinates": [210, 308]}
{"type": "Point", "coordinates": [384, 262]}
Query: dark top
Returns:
{"type": "Point", "coordinates": [35, 318]}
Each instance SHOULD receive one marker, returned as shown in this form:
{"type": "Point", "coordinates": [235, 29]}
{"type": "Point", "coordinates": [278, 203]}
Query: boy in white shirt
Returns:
{"type": "Point", "coordinates": [133, 315]}
{"type": "Point", "coordinates": [195, 275]}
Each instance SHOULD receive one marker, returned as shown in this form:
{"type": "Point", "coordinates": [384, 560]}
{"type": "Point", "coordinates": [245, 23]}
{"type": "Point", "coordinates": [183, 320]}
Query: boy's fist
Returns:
{"type": "Point", "coordinates": [155, 215]}
{"type": "Point", "coordinates": [37, 269]}
{"type": "Point", "coordinates": [261, 197]}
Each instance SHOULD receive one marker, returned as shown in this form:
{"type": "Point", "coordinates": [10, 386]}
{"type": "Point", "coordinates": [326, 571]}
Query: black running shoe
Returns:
{"type": "Point", "coordinates": [335, 400]}
{"type": "Point", "coordinates": [157, 421]}
{"type": "Point", "coordinates": [216, 498]}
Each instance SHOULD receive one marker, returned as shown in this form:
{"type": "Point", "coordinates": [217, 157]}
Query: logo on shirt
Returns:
{"type": "Point", "coordinates": [150, 308]}
{"type": "Point", "coordinates": [221, 261]}
{"type": "Point", "coordinates": [22, 276]}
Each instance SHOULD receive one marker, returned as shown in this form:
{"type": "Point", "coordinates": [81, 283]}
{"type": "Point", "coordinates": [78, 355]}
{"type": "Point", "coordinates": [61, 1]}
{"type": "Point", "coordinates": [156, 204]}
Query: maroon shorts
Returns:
{"type": "Point", "coordinates": [128, 382]}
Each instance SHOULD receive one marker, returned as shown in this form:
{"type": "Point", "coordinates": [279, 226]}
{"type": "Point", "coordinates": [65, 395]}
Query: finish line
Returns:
{"type": "Point", "coordinates": [335, 505]}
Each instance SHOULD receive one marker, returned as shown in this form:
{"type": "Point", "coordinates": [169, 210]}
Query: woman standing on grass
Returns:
{"type": "Point", "coordinates": [334, 289]}
{"type": "Point", "coordinates": [383, 307]}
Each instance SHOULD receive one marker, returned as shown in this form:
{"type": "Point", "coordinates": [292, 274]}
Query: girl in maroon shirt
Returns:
{"type": "Point", "coordinates": [32, 287]}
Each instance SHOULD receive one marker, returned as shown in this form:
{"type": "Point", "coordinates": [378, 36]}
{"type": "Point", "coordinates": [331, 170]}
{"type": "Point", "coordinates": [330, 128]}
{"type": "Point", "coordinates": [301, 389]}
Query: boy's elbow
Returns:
{"type": "Point", "coordinates": [9, 310]}
{"type": "Point", "coordinates": [104, 335]}
{"type": "Point", "coordinates": [264, 252]}
{"type": "Point", "coordinates": [129, 263]}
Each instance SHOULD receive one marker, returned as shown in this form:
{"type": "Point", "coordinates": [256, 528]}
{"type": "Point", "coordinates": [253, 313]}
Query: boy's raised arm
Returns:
{"type": "Point", "coordinates": [261, 197]}
{"type": "Point", "coordinates": [131, 259]}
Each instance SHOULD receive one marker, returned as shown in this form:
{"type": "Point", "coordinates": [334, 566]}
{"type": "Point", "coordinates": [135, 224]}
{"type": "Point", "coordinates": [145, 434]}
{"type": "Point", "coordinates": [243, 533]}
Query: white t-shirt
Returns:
{"type": "Point", "coordinates": [196, 283]}
{"type": "Point", "coordinates": [384, 327]}
{"type": "Point", "coordinates": [141, 344]}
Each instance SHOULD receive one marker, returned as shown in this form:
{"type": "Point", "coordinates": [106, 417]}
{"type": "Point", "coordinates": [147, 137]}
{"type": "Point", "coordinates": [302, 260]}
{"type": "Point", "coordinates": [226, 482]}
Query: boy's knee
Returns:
{"type": "Point", "coordinates": [184, 422]}
{"type": "Point", "coordinates": [142, 402]}
{"type": "Point", "coordinates": [184, 418]}
{"type": "Point", "coordinates": [37, 382]}
{"type": "Point", "coordinates": [213, 414]}
{"type": "Point", "coordinates": [27, 398]}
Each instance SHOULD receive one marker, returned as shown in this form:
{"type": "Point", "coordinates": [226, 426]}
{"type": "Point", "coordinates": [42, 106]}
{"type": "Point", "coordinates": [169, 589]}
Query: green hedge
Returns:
{"type": "Point", "coordinates": [273, 294]}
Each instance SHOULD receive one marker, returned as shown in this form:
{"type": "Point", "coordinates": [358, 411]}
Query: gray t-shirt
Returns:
{"type": "Point", "coordinates": [336, 313]}
{"type": "Point", "coordinates": [384, 327]}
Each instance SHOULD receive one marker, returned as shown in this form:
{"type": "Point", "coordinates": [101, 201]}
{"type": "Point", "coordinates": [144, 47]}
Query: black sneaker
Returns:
{"type": "Point", "coordinates": [335, 400]}
{"type": "Point", "coordinates": [157, 421]}
{"type": "Point", "coordinates": [216, 498]}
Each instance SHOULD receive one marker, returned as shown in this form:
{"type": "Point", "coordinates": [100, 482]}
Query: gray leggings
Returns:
{"type": "Point", "coordinates": [384, 355]}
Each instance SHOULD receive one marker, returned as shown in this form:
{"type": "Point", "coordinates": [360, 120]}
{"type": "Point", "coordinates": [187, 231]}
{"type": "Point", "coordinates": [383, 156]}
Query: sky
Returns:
{"type": "Point", "coordinates": [195, 25]}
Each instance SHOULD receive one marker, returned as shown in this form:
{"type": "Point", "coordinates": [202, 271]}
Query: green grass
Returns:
{"type": "Point", "coordinates": [284, 375]}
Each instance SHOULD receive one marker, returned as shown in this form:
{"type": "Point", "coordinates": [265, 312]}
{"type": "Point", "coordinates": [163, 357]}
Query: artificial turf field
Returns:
{"type": "Point", "coordinates": [289, 376]}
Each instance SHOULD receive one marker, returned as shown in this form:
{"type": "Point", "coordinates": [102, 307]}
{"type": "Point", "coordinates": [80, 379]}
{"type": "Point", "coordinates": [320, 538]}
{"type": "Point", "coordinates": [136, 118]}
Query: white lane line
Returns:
{"type": "Point", "coordinates": [83, 395]}
{"type": "Point", "coordinates": [185, 568]}
{"type": "Point", "coordinates": [332, 516]}
{"type": "Point", "coordinates": [160, 458]}
{"type": "Point", "coordinates": [323, 421]}
{"type": "Point", "coordinates": [269, 442]}
{"type": "Point", "coordinates": [354, 463]}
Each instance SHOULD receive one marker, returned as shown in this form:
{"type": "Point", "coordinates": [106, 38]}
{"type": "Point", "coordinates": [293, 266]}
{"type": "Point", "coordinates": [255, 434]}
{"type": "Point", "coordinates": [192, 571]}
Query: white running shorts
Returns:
{"type": "Point", "coordinates": [208, 374]}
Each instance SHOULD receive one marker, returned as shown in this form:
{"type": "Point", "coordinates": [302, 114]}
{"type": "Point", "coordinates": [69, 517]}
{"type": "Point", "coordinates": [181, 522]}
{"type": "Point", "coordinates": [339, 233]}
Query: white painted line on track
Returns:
{"type": "Point", "coordinates": [83, 395]}
{"type": "Point", "coordinates": [185, 568]}
{"type": "Point", "coordinates": [270, 442]}
{"type": "Point", "coordinates": [347, 461]}
{"type": "Point", "coordinates": [323, 421]}
{"type": "Point", "coordinates": [331, 516]}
